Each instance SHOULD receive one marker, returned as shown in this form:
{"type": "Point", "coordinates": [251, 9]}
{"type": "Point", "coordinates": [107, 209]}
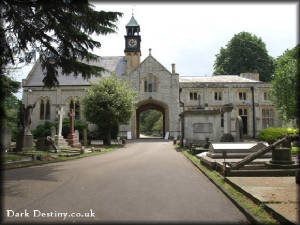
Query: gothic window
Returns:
{"type": "Point", "coordinates": [266, 96]}
{"type": "Point", "coordinates": [45, 109]}
{"type": "Point", "coordinates": [222, 119]}
{"type": "Point", "coordinates": [218, 95]}
{"type": "Point", "coordinates": [150, 83]}
{"type": "Point", "coordinates": [75, 105]}
{"type": "Point", "coordinates": [42, 109]}
{"type": "Point", "coordinates": [242, 95]}
{"type": "Point", "coordinates": [193, 96]}
{"type": "Point", "coordinates": [267, 118]}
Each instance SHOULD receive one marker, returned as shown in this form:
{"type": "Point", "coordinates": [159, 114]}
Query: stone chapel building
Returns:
{"type": "Point", "coordinates": [160, 89]}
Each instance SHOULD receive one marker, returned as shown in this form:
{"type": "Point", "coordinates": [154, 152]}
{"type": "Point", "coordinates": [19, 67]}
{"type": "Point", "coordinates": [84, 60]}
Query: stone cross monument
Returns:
{"type": "Point", "coordinates": [72, 138]}
{"type": "Point", "coordinates": [60, 139]}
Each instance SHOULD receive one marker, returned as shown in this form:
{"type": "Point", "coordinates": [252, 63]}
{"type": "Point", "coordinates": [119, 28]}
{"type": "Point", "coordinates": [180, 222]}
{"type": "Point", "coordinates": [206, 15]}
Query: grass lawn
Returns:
{"type": "Point", "coordinates": [13, 157]}
{"type": "Point", "coordinates": [257, 210]}
{"type": "Point", "coordinates": [295, 151]}
{"type": "Point", "coordinates": [50, 157]}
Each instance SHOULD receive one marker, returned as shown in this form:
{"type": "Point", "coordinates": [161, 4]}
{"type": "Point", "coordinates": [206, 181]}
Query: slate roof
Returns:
{"type": "Point", "coordinates": [111, 63]}
{"type": "Point", "coordinates": [132, 23]}
{"type": "Point", "coordinates": [216, 79]}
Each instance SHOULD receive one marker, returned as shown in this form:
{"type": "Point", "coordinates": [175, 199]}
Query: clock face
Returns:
{"type": "Point", "coordinates": [132, 43]}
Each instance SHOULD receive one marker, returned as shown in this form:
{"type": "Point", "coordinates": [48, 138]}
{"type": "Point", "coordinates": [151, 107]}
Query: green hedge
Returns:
{"type": "Point", "coordinates": [272, 134]}
{"type": "Point", "coordinates": [43, 130]}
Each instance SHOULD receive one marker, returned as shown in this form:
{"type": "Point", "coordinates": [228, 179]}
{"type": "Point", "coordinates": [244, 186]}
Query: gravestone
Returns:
{"type": "Point", "coordinates": [72, 138]}
{"type": "Point", "coordinates": [238, 129]}
{"type": "Point", "coordinates": [96, 142]}
{"type": "Point", "coordinates": [5, 138]}
{"type": "Point", "coordinates": [85, 141]}
{"type": "Point", "coordinates": [53, 132]}
{"type": "Point", "coordinates": [236, 150]}
{"type": "Point", "coordinates": [129, 135]}
{"type": "Point", "coordinates": [167, 135]}
{"type": "Point", "coordinates": [25, 138]}
{"type": "Point", "coordinates": [59, 138]}
{"type": "Point", "coordinates": [282, 159]}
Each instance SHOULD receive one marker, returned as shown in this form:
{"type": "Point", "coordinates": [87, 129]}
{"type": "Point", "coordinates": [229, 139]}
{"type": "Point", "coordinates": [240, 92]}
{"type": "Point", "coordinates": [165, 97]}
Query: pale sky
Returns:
{"type": "Point", "coordinates": [191, 34]}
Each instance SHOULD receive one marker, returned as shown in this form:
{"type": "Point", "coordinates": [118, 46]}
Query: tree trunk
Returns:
{"type": "Point", "coordinates": [108, 135]}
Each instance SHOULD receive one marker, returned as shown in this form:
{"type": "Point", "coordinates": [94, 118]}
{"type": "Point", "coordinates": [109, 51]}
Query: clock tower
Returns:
{"type": "Point", "coordinates": [132, 44]}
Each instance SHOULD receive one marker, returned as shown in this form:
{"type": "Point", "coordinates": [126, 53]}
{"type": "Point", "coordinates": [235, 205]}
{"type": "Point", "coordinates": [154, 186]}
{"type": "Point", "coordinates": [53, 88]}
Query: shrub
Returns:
{"type": "Point", "coordinates": [43, 130]}
{"type": "Point", "coordinates": [272, 134]}
{"type": "Point", "coordinates": [227, 138]}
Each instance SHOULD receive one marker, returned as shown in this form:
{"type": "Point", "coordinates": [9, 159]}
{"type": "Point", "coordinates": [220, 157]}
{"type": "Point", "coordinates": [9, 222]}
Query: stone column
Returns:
{"type": "Point", "coordinates": [72, 138]}
{"type": "Point", "coordinates": [60, 114]}
{"type": "Point", "coordinates": [227, 118]}
{"type": "Point", "coordinates": [60, 139]}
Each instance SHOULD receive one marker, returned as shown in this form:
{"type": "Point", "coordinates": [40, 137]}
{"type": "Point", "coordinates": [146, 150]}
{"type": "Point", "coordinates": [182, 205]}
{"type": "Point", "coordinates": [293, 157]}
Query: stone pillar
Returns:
{"type": "Point", "coordinates": [227, 118]}
{"type": "Point", "coordinates": [77, 134]}
{"type": "Point", "coordinates": [60, 139]}
{"type": "Point", "coordinates": [72, 138]}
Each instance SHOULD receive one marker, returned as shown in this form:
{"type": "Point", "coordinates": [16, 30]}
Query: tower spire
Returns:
{"type": "Point", "coordinates": [132, 44]}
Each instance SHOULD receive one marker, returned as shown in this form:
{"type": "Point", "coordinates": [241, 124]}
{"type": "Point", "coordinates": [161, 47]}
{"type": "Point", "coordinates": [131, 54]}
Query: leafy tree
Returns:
{"type": "Point", "coordinates": [151, 121]}
{"type": "Point", "coordinates": [245, 53]}
{"type": "Point", "coordinates": [285, 85]}
{"type": "Point", "coordinates": [158, 125]}
{"type": "Point", "coordinates": [109, 102]}
{"type": "Point", "coordinates": [12, 108]}
{"type": "Point", "coordinates": [59, 31]}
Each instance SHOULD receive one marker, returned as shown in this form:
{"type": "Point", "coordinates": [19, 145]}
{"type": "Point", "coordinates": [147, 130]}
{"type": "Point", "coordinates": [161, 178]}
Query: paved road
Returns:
{"type": "Point", "coordinates": [145, 181]}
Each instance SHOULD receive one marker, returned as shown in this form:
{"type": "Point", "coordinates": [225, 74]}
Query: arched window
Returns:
{"type": "Point", "coordinates": [42, 110]}
{"type": "Point", "coordinates": [47, 114]}
{"type": "Point", "coordinates": [75, 105]}
{"type": "Point", "coordinates": [45, 109]}
{"type": "Point", "coordinates": [150, 83]}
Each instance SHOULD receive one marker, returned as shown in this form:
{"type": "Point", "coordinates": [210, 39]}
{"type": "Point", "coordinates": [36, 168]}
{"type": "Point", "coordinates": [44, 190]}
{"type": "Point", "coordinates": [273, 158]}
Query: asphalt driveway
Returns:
{"type": "Point", "coordinates": [147, 181]}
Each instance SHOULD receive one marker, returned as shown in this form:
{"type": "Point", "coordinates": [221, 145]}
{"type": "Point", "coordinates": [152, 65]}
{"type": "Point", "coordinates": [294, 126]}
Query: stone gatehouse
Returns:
{"type": "Point", "coordinates": [160, 89]}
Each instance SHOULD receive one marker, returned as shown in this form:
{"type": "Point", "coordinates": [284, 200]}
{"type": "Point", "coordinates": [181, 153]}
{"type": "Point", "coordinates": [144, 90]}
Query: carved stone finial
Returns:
{"type": "Point", "coordinates": [150, 51]}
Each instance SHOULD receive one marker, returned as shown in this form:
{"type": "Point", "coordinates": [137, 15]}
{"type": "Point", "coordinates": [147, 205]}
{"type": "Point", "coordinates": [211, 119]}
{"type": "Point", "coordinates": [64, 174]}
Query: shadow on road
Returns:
{"type": "Point", "coordinates": [44, 173]}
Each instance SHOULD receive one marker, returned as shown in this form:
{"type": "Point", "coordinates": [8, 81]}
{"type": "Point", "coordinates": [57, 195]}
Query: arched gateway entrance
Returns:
{"type": "Point", "coordinates": [151, 104]}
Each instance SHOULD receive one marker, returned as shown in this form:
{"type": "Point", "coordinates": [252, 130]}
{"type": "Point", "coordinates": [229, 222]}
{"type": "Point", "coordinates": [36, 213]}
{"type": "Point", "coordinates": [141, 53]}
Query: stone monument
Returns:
{"type": "Point", "coordinates": [59, 138]}
{"type": "Point", "coordinates": [25, 138]}
{"type": "Point", "coordinates": [53, 132]}
{"type": "Point", "coordinates": [238, 129]}
{"type": "Point", "coordinates": [227, 118]}
{"type": "Point", "coordinates": [72, 138]}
